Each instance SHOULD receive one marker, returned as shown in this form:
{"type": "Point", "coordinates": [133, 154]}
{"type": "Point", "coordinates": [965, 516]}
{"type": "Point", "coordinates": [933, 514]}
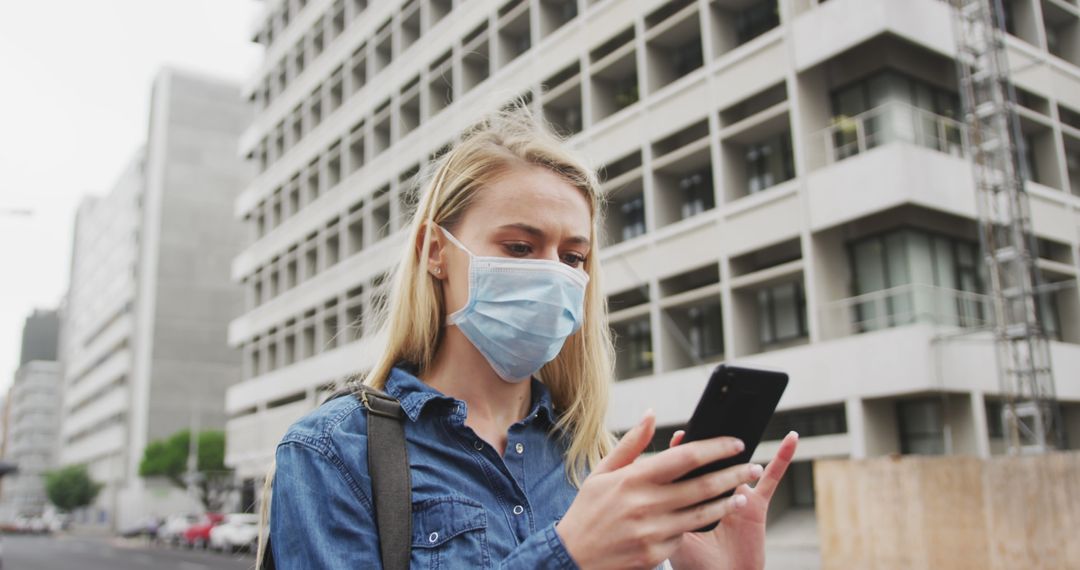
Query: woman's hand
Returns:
{"type": "Point", "coordinates": [632, 515]}
{"type": "Point", "coordinates": [738, 542]}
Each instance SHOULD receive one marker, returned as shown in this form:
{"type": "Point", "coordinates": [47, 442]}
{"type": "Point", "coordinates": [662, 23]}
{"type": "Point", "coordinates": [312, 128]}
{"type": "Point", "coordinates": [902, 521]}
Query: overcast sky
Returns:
{"type": "Point", "coordinates": [73, 109]}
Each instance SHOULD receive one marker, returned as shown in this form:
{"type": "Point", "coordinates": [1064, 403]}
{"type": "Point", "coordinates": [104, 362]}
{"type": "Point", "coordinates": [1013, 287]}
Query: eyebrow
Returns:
{"type": "Point", "coordinates": [539, 233]}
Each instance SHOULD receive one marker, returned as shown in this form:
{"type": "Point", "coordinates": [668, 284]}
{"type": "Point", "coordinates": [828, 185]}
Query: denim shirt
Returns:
{"type": "Point", "coordinates": [471, 507]}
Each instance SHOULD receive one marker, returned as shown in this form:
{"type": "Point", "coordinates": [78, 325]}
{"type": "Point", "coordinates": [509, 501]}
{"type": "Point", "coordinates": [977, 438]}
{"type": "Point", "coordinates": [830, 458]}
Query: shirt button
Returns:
{"type": "Point", "coordinates": [433, 537]}
{"type": "Point", "coordinates": [518, 509]}
{"type": "Point", "coordinates": [478, 445]}
{"type": "Point", "coordinates": [520, 448]}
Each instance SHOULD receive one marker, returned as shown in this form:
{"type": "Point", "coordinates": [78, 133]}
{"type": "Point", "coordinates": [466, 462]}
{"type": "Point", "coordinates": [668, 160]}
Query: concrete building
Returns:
{"type": "Point", "coordinates": [786, 186]}
{"type": "Point", "coordinates": [150, 296]}
{"type": "Point", "coordinates": [33, 418]}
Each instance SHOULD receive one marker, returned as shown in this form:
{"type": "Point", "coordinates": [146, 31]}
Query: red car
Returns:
{"type": "Point", "coordinates": [198, 534]}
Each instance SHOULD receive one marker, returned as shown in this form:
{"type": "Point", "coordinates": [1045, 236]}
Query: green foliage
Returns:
{"type": "Point", "coordinates": [168, 458]}
{"type": "Point", "coordinates": [71, 487]}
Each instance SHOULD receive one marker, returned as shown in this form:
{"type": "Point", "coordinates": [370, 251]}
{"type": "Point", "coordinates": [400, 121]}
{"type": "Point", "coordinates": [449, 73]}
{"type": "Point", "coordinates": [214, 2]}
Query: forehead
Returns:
{"type": "Point", "coordinates": [535, 195]}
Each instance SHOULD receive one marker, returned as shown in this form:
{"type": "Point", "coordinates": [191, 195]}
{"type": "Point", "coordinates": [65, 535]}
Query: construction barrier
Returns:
{"type": "Point", "coordinates": [907, 512]}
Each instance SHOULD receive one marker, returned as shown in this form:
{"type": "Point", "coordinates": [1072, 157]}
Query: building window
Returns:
{"type": "Point", "coordinates": [828, 420]}
{"type": "Point", "coordinates": [995, 426]}
{"type": "Point", "coordinates": [633, 217]}
{"type": "Point", "coordinates": [769, 162]}
{"type": "Point", "coordinates": [633, 348]}
{"type": "Point", "coordinates": [697, 190]}
{"type": "Point", "coordinates": [781, 313]}
{"type": "Point", "coordinates": [922, 426]}
{"type": "Point", "coordinates": [756, 20]}
{"type": "Point", "coordinates": [922, 276]}
{"type": "Point", "coordinates": [801, 484]}
{"type": "Point", "coordinates": [890, 106]}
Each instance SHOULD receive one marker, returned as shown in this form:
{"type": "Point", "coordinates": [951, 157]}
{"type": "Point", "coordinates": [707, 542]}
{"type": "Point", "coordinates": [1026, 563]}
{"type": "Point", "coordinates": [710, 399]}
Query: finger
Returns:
{"type": "Point", "coordinates": [675, 462]}
{"type": "Point", "coordinates": [676, 438]}
{"type": "Point", "coordinates": [697, 516]}
{"type": "Point", "coordinates": [778, 466]}
{"type": "Point", "coordinates": [709, 486]}
{"type": "Point", "coordinates": [630, 445]}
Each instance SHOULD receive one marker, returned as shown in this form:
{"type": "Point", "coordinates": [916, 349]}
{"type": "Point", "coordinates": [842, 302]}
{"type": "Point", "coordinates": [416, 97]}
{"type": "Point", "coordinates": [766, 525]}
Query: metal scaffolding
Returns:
{"type": "Point", "coordinates": [1031, 417]}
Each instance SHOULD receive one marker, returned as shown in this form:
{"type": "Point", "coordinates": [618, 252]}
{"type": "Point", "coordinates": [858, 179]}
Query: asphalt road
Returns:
{"type": "Point", "coordinates": [90, 553]}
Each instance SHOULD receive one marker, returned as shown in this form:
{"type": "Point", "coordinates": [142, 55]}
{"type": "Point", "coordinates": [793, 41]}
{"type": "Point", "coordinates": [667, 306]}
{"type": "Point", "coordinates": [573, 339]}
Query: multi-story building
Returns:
{"type": "Point", "coordinates": [32, 418]}
{"type": "Point", "coordinates": [149, 299]}
{"type": "Point", "coordinates": [786, 187]}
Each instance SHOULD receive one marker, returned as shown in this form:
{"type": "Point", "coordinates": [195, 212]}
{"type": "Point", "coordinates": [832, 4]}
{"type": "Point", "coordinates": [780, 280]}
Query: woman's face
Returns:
{"type": "Point", "coordinates": [529, 212]}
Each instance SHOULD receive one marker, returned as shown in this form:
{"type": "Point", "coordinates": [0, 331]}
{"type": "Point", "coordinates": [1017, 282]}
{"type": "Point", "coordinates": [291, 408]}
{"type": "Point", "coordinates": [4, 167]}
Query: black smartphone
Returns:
{"type": "Point", "coordinates": [737, 402]}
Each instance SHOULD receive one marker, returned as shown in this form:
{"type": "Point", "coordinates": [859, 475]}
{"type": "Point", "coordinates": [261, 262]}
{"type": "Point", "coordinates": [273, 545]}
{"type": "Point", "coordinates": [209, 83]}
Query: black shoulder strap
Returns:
{"type": "Point", "coordinates": [388, 466]}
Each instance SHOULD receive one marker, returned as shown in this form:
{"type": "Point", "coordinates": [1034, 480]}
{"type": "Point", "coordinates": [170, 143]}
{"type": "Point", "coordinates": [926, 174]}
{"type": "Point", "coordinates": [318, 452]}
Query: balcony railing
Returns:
{"type": "Point", "coordinates": [892, 122]}
{"type": "Point", "coordinates": [905, 304]}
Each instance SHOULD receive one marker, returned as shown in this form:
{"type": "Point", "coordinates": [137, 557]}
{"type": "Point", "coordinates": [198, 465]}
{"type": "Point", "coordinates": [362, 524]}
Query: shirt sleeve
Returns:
{"type": "Point", "coordinates": [543, 550]}
{"type": "Point", "coordinates": [319, 515]}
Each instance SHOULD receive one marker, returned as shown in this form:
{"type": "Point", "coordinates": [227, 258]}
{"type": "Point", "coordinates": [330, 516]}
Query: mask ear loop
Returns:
{"type": "Point", "coordinates": [455, 241]}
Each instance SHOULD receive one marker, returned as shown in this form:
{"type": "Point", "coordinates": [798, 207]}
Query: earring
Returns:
{"type": "Point", "coordinates": [438, 270]}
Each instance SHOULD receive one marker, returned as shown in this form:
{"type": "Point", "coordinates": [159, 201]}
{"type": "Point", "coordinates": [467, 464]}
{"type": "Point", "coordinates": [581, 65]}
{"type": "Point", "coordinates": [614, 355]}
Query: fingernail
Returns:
{"type": "Point", "coordinates": [739, 445]}
{"type": "Point", "coordinates": [740, 500]}
{"type": "Point", "coordinates": [645, 416]}
{"type": "Point", "coordinates": [756, 469]}
{"type": "Point", "coordinates": [794, 432]}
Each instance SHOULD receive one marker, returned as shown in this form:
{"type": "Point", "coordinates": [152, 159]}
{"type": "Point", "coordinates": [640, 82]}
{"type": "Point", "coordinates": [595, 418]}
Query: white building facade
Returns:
{"type": "Point", "coordinates": [33, 418]}
{"type": "Point", "coordinates": [786, 188]}
{"type": "Point", "coordinates": [148, 303]}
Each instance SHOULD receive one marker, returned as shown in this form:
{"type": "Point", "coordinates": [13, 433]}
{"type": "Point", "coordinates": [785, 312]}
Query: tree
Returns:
{"type": "Point", "coordinates": [168, 458]}
{"type": "Point", "coordinates": [71, 487]}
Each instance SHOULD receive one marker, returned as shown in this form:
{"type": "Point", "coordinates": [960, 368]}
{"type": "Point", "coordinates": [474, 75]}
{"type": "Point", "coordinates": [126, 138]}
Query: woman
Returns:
{"type": "Point", "coordinates": [498, 351]}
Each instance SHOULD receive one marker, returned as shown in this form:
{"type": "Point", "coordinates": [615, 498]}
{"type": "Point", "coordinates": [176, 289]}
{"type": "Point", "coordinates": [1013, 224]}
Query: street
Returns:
{"type": "Point", "coordinates": [65, 552]}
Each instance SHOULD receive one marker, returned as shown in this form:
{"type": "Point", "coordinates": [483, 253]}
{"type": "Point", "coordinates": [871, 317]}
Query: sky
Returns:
{"type": "Point", "coordinates": [74, 104]}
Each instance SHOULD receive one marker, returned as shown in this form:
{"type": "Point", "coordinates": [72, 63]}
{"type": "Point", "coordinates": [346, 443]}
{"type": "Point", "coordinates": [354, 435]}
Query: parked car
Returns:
{"type": "Point", "coordinates": [237, 532]}
{"type": "Point", "coordinates": [172, 531]}
{"type": "Point", "coordinates": [147, 527]}
{"type": "Point", "coordinates": [198, 534]}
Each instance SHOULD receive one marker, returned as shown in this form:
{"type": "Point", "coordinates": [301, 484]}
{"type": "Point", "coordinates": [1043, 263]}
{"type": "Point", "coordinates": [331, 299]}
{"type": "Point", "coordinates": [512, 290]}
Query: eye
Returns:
{"type": "Point", "coordinates": [518, 248]}
{"type": "Point", "coordinates": [573, 259]}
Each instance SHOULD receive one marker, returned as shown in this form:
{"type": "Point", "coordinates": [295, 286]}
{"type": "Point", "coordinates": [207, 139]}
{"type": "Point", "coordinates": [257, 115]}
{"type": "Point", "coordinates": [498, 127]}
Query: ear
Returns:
{"type": "Point", "coordinates": [434, 264]}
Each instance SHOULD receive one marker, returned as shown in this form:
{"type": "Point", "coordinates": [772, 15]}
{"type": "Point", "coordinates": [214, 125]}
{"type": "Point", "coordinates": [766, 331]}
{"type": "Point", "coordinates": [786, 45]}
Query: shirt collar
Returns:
{"type": "Point", "coordinates": [414, 394]}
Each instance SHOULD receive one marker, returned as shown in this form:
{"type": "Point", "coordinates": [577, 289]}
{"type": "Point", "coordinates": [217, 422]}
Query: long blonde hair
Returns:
{"type": "Point", "coordinates": [412, 318]}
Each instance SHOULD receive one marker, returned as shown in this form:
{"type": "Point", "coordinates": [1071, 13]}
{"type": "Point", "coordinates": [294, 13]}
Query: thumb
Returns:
{"type": "Point", "coordinates": [630, 445]}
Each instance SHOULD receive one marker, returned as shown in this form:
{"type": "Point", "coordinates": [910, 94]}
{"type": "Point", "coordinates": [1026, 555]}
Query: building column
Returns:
{"type": "Point", "coordinates": [856, 426]}
{"type": "Point", "coordinates": [978, 416]}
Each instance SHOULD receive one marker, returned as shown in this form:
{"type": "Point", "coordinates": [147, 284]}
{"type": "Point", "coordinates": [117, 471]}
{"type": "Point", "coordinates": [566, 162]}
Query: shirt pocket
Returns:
{"type": "Point", "coordinates": [449, 532]}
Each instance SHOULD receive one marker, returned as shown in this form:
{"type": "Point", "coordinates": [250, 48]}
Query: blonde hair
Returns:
{"type": "Point", "coordinates": [412, 318]}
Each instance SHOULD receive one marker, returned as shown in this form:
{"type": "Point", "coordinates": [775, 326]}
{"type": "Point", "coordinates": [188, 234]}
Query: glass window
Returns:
{"type": "Point", "coordinates": [808, 422]}
{"type": "Point", "coordinates": [801, 474]}
{"type": "Point", "coordinates": [921, 426]}
{"type": "Point", "coordinates": [633, 347]}
{"type": "Point", "coordinates": [706, 332]}
{"type": "Point", "coordinates": [769, 163]}
{"type": "Point", "coordinates": [633, 213]}
{"type": "Point", "coordinates": [756, 20]}
{"type": "Point", "coordinates": [936, 267]}
{"type": "Point", "coordinates": [697, 189]}
{"type": "Point", "coordinates": [781, 313]}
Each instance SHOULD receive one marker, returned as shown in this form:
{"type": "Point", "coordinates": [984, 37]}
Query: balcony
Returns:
{"type": "Point", "coordinates": [903, 305]}
{"type": "Point", "coordinates": [822, 32]}
{"type": "Point", "coordinates": [890, 155]}
{"type": "Point", "coordinates": [888, 123]}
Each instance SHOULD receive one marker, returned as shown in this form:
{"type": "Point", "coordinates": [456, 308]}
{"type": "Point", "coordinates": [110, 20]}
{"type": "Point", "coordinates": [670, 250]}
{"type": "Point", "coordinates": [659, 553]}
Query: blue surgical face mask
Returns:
{"type": "Point", "coordinates": [519, 311]}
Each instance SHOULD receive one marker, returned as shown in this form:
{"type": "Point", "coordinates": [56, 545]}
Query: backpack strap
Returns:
{"type": "Point", "coordinates": [391, 484]}
{"type": "Point", "coordinates": [388, 467]}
